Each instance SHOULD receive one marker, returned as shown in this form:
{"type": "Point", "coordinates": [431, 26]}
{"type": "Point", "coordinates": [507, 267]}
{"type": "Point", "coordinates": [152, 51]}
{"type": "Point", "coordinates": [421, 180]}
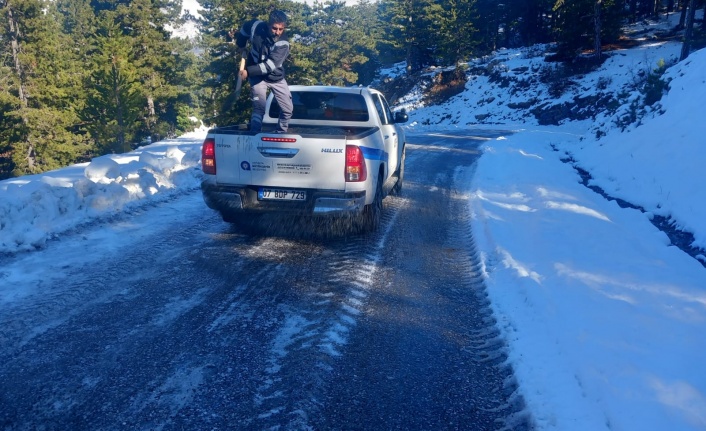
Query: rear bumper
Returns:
{"type": "Point", "coordinates": [234, 198]}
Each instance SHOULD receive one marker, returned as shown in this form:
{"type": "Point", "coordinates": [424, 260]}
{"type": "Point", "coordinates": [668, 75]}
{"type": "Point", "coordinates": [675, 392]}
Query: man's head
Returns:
{"type": "Point", "coordinates": [277, 23]}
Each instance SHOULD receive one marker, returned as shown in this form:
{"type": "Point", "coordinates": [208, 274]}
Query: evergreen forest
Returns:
{"type": "Point", "coordinates": [83, 78]}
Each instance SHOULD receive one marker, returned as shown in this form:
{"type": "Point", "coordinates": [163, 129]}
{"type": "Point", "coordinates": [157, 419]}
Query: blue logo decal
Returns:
{"type": "Point", "coordinates": [245, 166]}
{"type": "Point", "coordinates": [373, 153]}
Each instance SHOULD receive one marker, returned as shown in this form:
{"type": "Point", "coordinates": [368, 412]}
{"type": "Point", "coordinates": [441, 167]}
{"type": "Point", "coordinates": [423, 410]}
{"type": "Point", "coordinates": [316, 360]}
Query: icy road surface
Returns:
{"type": "Point", "coordinates": [168, 318]}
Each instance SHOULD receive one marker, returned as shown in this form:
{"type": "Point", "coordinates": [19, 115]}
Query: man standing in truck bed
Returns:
{"type": "Point", "coordinates": [264, 67]}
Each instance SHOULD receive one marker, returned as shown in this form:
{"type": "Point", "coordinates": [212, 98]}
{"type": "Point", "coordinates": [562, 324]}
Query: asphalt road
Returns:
{"type": "Point", "coordinates": [168, 318]}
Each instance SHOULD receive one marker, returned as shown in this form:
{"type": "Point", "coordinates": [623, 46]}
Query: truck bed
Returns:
{"type": "Point", "coordinates": [301, 130]}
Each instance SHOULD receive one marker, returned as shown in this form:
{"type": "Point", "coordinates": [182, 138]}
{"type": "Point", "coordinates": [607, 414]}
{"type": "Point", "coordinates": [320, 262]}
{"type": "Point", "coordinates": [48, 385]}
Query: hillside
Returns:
{"type": "Point", "coordinates": [600, 103]}
{"type": "Point", "coordinates": [524, 84]}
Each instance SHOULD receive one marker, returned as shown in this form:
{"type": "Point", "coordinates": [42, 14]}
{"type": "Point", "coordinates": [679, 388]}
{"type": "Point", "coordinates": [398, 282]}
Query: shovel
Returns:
{"type": "Point", "coordinates": [230, 100]}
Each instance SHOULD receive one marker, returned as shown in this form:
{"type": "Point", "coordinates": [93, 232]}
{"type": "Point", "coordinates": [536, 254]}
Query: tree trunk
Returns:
{"type": "Point", "coordinates": [15, 35]}
{"type": "Point", "coordinates": [632, 10]}
{"type": "Point", "coordinates": [597, 52]}
{"type": "Point", "coordinates": [150, 106]}
{"type": "Point", "coordinates": [119, 107]}
{"type": "Point", "coordinates": [682, 17]}
{"type": "Point", "coordinates": [686, 45]}
{"type": "Point", "coordinates": [14, 43]}
{"type": "Point", "coordinates": [414, 58]}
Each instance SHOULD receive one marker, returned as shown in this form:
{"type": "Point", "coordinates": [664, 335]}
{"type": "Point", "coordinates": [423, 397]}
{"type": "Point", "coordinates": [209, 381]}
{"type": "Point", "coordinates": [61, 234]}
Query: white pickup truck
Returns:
{"type": "Point", "coordinates": [343, 153]}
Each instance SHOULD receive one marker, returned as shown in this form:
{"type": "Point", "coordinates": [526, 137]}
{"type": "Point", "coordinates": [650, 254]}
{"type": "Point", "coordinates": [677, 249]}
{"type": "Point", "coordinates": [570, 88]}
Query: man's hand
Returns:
{"type": "Point", "coordinates": [244, 74]}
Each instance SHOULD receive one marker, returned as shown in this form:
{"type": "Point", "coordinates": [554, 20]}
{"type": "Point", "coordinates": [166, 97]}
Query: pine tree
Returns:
{"type": "Point", "coordinates": [115, 96]}
{"type": "Point", "coordinates": [301, 67]}
{"type": "Point", "coordinates": [40, 97]}
{"type": "Point", "coordinates": [490, 18]}
{"type": "Point", "coordinates": [389, 36]}
{"type": "Point", "coordinates": [456, 34]}
{"type": "Point", "coordinates": [365, 17]}
{"type": "Point", "coordinates": [337, 42]}
{"type": "Point", "coordinates": [154, 56]}
{"type": "Point", "coordinates": [188, 78]}
{"type": "Point", "coordinates": [411, 21]}
{"type": "Point", "coordinates": [10, 122]}
{"type": "Point", "coordinates": [10, 88]}
{"type": "Point", "coordinates": [526, 22]}
{"type": "Point", "coordinates": [576, 24]}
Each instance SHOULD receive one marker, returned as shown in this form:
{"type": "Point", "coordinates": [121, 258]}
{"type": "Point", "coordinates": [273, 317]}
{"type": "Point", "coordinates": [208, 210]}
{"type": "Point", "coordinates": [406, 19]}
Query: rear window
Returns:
{"type": "Point", "coordinates": [325, 106]}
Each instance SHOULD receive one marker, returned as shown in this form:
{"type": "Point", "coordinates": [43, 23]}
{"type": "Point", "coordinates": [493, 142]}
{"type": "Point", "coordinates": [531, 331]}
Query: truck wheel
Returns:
{"type": "Point", "coordinates": [397, 188]}
{"type": "Point", "coordinates": [370, 219]}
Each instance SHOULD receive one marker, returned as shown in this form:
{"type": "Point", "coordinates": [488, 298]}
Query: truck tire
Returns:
{"type": "Point", "coordinates": [370, 218]}
{"type": "Point", "coordinates": [397, 188]}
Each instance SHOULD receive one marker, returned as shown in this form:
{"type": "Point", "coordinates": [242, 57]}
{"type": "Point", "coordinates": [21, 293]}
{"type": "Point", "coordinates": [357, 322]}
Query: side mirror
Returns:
{"type": "Point", "coordinates": [401, 117]}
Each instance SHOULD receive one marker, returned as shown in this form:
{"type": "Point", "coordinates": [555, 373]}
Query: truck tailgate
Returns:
{"type": "Point", "coordinates": [283, 161]}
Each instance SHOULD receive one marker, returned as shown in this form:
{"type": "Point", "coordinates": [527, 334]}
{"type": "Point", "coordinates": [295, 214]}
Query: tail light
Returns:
{"type": "Point", "coordinates": [208, 156]}
{"type": "Point", "coordinates": [355, 164]}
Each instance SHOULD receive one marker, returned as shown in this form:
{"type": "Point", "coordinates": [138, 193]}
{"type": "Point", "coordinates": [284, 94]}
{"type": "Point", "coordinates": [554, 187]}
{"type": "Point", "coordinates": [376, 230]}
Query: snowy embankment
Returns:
{"type": "Point", "coordinates": [36, 208]}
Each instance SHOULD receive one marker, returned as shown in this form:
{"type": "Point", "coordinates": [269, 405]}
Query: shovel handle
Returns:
{"type": "Point", "coordinates": [242, 59]}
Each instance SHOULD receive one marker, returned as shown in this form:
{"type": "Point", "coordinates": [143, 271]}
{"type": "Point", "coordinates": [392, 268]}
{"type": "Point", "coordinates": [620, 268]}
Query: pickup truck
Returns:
{"type": "Point", "coordinates": [343, 153]}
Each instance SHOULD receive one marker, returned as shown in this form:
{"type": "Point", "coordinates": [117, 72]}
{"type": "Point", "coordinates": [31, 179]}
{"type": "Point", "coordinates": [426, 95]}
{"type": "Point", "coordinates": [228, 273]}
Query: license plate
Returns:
{"type": "Point", "coordinates": [281, 195]}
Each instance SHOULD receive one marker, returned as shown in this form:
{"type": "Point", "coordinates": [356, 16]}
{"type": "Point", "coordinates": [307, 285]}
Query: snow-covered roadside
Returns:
{"type": "Point", "coordinates": [659, 165]}
{"type": "Point", "coordinates": [604, 319]}
{"type": "Point", "coordinates": [36, 208]}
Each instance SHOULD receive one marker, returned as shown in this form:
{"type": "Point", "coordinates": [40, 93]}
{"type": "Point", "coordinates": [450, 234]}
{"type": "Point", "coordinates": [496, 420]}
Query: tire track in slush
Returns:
{"type": "Point", "coordinates": [427, 353]}
{"type": "Point", "coordinates": [150, 321]}
{"type": "Point", "coordinates": [310, 338]}
{"type": "Point", "coordinates": [486, 344]}
{"type": "Point", "coordinates": [298, 318]}
{"type": "Point", "coordinates": [239, 320]}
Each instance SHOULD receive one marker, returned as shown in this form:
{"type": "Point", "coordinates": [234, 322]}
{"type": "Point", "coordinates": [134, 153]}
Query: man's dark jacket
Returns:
{"type": "Point", "coordinates": [266, 57]}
